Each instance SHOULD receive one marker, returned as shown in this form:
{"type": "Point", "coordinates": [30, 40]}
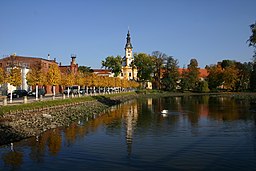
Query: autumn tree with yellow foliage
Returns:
{"type": "Point", "coordinates": [36, 77]}
{"type": "Point", "coordinates": [2, 79]}
{"type": "Point", "coordinates": [53, 76]}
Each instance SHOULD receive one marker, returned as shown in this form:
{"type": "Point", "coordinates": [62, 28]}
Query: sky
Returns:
{"type": "Point", "coordinates": [207, 30]}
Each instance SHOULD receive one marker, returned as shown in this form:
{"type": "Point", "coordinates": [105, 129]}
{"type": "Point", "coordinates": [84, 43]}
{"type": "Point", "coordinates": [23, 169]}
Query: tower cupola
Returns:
{"type": "Point", "coordinates": [128, 41]}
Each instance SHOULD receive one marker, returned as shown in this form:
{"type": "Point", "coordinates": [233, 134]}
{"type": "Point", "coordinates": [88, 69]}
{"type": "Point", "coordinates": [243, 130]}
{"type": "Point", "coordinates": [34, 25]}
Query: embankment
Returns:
{"type": "Point", "coordinates": [21, 124]}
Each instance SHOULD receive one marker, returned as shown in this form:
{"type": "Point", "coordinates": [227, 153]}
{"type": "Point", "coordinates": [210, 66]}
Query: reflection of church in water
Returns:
{"type": "Point", "coordinates": [131, 117]}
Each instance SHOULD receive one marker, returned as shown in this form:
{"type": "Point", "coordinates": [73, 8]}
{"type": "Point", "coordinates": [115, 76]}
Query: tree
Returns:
{"type": "Point", "coordinates": [53, 76]}
{"type": "Point", "coordinates": [80, 80]}
{"type": "Point", "coordinates": [215, 76]}
{"type": "Point", "coordinates": [230, 77]}
{"type": "Point", "coordinates": [253, 78]}
{"type": "Point", "coordinates": [252, 42]}
{"type": "Point", "coordinates": [230, 74]}
{"type": "Point", "coordinates": [2, 79]}
{"type": "Point", "coordinates": [144, 65]}
{"type": "Point", "coordinates": [244, 72]}
{"type": "Point", "coordinates": [158, 59]}
{"type": "Point", "coordinates": [252, 39]}
{"type": "Point", "coordinates": [193, 74]}
{"type": "Point", "coordinates": [113, 63]}
{"type": "Point", "coordinates": [36, 77]}
{"type": "Point", "coordinates": [227, 63]}
{"type": "Point", "coordinates": [84, 69]}
{"type": "Point", "coordinates": [203, 87]}
{"type": "Point", "coordinates": [184, 83]}
{"type": "Point", "coordinates": [67, 79]}
{"type": "Point", "coordinates": [14, 79]}
{"type": "Point", "coordinates": [171, 74]}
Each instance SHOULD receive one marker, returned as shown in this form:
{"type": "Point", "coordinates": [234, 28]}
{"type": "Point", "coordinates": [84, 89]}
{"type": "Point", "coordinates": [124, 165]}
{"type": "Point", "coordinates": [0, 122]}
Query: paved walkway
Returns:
{"type": "Point", "coordinates": [30, 99]}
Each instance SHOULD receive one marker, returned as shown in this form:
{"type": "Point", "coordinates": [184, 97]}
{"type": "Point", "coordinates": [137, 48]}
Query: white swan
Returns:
{"type": "Point", "coordinates": [164, 113]}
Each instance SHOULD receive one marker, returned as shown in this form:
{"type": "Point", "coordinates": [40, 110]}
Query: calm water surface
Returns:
{"type": "Point", "coordinates": [198, 133]}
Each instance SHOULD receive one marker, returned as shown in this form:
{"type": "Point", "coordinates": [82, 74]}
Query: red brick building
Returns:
{"type": "Point", "coordinates": [25, 63]}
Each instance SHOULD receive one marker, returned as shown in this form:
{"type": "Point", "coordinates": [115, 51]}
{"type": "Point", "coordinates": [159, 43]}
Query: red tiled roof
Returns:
{"type": "Point", "coordinates": [203, 72]}
{"type": "Point", "coordinates": [101, 71]}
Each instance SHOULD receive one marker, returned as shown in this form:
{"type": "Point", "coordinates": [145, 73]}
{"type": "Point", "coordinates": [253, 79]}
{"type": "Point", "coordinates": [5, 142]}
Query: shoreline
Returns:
{"type": "Point", "coordinates": [22, 124]}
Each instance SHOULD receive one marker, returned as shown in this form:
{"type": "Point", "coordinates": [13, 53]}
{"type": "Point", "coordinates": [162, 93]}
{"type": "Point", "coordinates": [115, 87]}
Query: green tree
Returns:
{"type": "Point", "coordinates": [252, 39]}
{"type": "Point", "coordinates": [53, 76]}
{"type": "Point", "coordinates": [193, 74]}
{"type": "Point", "coordinates": [227, 63]}
{"type": "Point", "coordinates": [184, 82]}
{"type": "Point", "coordinates": [144, 65]}
{"type": "Point", "coordinates": [171, 74]}
{"type": "Point", "coordinates": [158, 59]}
{"type": "Point", "coordinates": [84, 69]}
{"type": "Point", "coordinates": [113, 63]}
{"type": "Point", "coordinates": [252, 42]}
{"type": "Point", "coordinates": [253, 78]}
{"type": "Point", "coordinates": [203, 87]}
{"type": "Point", "coordinates": [244, 72]}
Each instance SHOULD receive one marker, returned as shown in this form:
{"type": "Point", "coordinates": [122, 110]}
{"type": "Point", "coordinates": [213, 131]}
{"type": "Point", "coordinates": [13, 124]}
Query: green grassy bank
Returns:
{"type": "Point", "coordinates": [57, 102]}
{"type": "Point", "coordinates": [143, 93]}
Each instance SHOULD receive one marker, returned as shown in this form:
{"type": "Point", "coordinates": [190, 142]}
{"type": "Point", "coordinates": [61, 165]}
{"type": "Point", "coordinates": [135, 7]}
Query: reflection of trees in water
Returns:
{"type": "Point", "coordinates": [13, 159]}
{"type": "Point", "coordinates": [196, 107]}
{"type": "Point", "coordinates": [54, 142]}
{"type": "Point", "coordinates": [70, 133]}
{"type": "Point", "coordinates": [38, 149]}
{"type": "Point", "coordinates": [228, 109]}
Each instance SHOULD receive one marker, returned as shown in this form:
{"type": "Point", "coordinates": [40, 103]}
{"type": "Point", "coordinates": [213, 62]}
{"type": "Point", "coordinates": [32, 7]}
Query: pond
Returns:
{"type": "Point", "coordinates": [196, 133]}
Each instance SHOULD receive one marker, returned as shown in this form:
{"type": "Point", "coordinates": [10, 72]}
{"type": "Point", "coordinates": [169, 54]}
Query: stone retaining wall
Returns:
{"type": "Point", "coordinates": [23, 124]}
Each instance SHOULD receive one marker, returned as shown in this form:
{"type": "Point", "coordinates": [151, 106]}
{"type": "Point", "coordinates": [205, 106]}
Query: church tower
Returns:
{"type": "Point", "coordinates": [128, 58]}
{"type": "Point", "coordinates": [129, 72]}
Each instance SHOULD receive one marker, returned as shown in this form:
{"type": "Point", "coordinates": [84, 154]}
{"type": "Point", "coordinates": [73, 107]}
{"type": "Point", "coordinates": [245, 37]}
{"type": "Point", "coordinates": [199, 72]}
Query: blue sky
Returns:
{"type": "Point", "coordinates": [207, 30]}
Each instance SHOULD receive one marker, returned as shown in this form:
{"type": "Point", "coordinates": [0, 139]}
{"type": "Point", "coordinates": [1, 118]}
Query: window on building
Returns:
{"type": "Point", "coordinates": [122, 74]}
{"type": "Point", "coordinates": [1, 64]}
{"type": "Point", "coordinates": [128, 54]}
{"type": "Point", "coordinates": [130, 74]}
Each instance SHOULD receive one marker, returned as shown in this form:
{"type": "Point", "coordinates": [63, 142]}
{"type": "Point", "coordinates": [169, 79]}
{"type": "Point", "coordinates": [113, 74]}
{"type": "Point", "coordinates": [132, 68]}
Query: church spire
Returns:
{"type": "Point", "coordinates": [128, 41]}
